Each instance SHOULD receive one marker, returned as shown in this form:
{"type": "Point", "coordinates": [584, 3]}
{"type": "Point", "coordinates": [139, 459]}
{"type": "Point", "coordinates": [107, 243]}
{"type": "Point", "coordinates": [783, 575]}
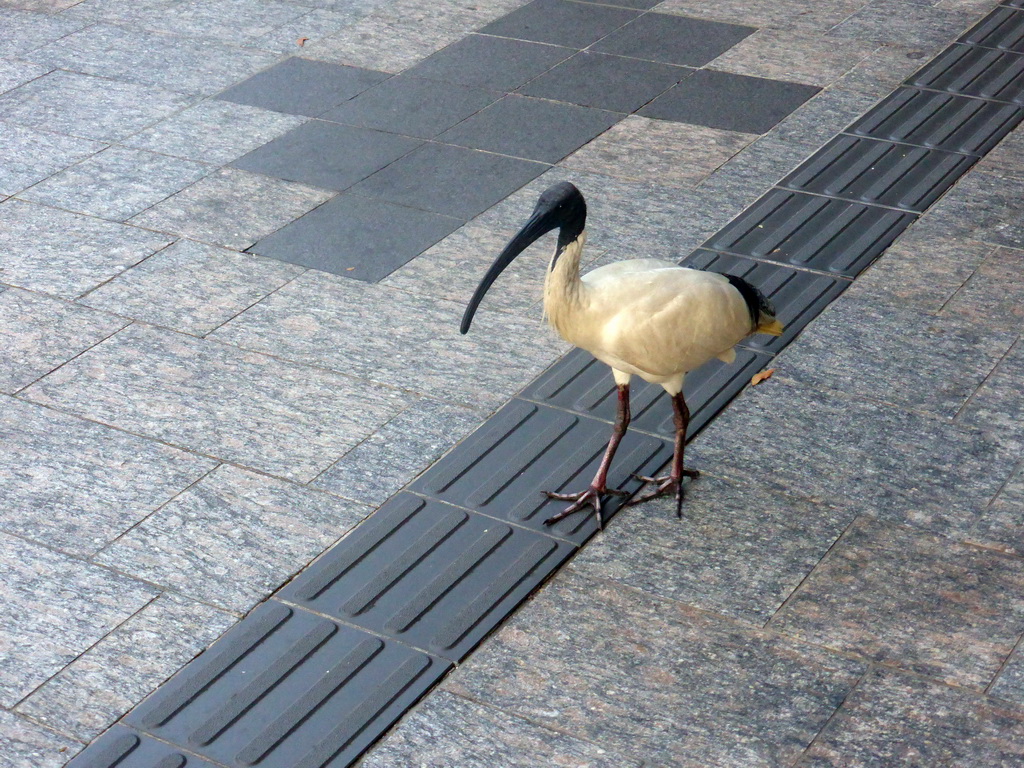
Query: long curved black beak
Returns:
{"type": "Point", "coordinates": [540, 224]}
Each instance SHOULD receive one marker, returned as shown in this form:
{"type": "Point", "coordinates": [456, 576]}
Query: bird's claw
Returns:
{"type": "Point", "coordinates": [590, 497]}
{"type": "Point", "coordinates": [664, 485]}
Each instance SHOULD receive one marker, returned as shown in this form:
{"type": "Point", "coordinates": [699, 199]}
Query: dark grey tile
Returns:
{"type": "Point", "coordinates": [894, 719]}
{"type": "Point", "coordinates": [122, 747]}
{"type": "Point", "coordinates": [428, 574]}
{"type": "Point", "coordinates": [605, 82]}
{"type": "Point", "coordinates": [811, 231]}
{"type": "Point", "coordinates": [653, 678]}
{"type": "Point", "coordinates": [285, 687]}
{"type": "Point", "coordinates": [412, 106]}
{"type": "Point", "coordinates": [490, 62]}
{"type": "Point", "coordinates": [560, 22]}
{"type": "Point", "coordinates": [503, 467]}
{"type": "Point", "coordinates": [879, 172]}
{"type": "Point", "coordinates": [940, 120]}
{"type": "Point", "coordinates": [452, 181]}
{"type": "Point", "coordinates": [920, 602]}
{"type": "Point", "coordinates": [531, 128]}
{"type": "Point", "coordinates": [975, 71]}
{"type": "Point", "coordinates": [326, 155]}
{"type": "Point", "coordinates": [738, 551]}
{"type": "Point", "coordinates": [1003, 28]}
{"type": "Point", "coordinates": [673, 39]}
{"type": "Point", "coordinates": [732, 102]}
{"type": "Point", "coordinates": [357, 237]}
{"type": "Point", "coordinates": [302, 87]}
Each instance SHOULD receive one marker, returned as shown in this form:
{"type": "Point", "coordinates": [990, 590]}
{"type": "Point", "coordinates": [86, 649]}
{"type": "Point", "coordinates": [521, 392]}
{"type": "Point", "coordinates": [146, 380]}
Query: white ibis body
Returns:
{"type": "Point", "coordinates": [643, 317]}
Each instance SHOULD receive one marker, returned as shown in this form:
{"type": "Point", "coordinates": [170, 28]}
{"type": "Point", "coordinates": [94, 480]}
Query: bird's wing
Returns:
{"type": "Point", "coordinates": [663, 319]}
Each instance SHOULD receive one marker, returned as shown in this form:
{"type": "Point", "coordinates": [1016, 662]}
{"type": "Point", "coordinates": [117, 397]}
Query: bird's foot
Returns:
{"type": "Point", "coordinates": [663, 486]}
{"type": "Point", "coordinates": [590, 497]}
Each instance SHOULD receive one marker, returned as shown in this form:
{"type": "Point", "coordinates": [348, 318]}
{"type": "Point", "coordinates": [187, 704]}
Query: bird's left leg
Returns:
{"type": "Point", "coordinates": [672, 482]}
{"type": "Point", "coordinates": [592, 495]}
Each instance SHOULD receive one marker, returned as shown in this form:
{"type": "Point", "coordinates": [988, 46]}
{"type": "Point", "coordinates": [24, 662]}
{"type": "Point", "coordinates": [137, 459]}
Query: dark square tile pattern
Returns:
{"type": "Point", "coordinates": [490, 62]}
{"type": "Point", "coordinates": [879, 172]}
{"type": "Point", "coordinates": [303, 87]}
{"type": "Point", "coordinates": [673, 39]}
{"type": "Point", "coordinates": [560, 22]}
{"type": "Point", "coordinates": [974, 71]}
{"type": "Point", "coordinates": [428, 574]}
{"type": "Point", "coordinates": [122, 747]}
{"type": "Point", "coordinates": [730, 102]}
{"type": "Point", "coordinates": [326, 155]}
{"type": "Point", "coordinates": [412, 106]}
{"type": "Point", "coordinates": [812, 232]}
{"type": "Point", "coordinates": [531, 128]}
{"type": "Point", "coordinates": [939, 120]}
{"type": "Point", "coordinates": [606, 82]}
{"type": "Point", "coordinates": [501, 468]}
{"type": "Point", "coordinates": [285, 688]}
{"type": "Point", "coordinates": [453, 181]}
{"type": "Point", "coordinates": [357, 237]}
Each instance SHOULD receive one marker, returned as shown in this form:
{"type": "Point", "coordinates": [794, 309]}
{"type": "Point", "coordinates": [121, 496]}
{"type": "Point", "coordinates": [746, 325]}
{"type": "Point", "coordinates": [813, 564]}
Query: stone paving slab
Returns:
{"type": "Point", "coordinates": [994, 293]}
{"type": "Point", "coordinates": [997, 404]}
{"type": "Point", "coordinates": [15, 72]}
{"type": "Point", "coordinates": [28, 156]}
{"type": "Point", "coordinates": [122, 668]}
{"type": "Point", "coordinates": [75, 485]}
{"type": "Point", "coordinates": [1001, 525]}
{"type": "Point", "coordinates": [24, 32]}
{"type": "Point", "coordinates": [1010, 683]}
{"type": "Point", "coordinates": [27, 743]}
{"type": "Point", "coordinates": [278, 417]}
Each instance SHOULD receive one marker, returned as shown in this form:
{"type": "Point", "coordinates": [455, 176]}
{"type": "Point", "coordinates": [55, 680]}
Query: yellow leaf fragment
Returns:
{"type": "Point", "coordinates": [301, 41]}
{"type": "Point", "coordinates": [757, 378]}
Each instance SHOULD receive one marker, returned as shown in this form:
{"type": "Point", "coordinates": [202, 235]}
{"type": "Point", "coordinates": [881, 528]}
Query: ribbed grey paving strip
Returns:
{"type": "Point", "coordinates": [940, 120]}
{"type": "Point", "coordinates": [290, 687]}
{"type": "Point", "coordinates": [879, 172]}
{"type": "Point", "coordinates": [429, 574]}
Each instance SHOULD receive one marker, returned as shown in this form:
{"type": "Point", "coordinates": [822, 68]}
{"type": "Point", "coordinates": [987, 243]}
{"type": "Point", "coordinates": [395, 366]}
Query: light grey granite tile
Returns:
{"type": "Point", "coordinates": [883, 352]}
{"type": "Point", "coordinates": [28, 156]}
{"type": "Point", "coordinates": [88, 695]}
{"type": "Point", "coordinates": [214, 131]}
{"type": "Point", "coordinates": [54, 608]}
{"type": "Point", "coordinates": [24, 744]}
{"type": "Point", "coordinates": [402, 340]}
{"type": "Point", "coordinates": [655, 679]}
{"type": "Point", "coordinates": [893, 719]}
{"type": "Point", "coordinates": [905, 23]}
{"type": "Point", "coordinates": [1001, 525]}
{"type": "Point", "coordinates": [392, 456]}
{"type": "Point", "coordinates": [819, 119]}
{"type": "Point", "coordinates": [793, 56]}
{"type": "Point", "coordinates": [876, 459]}
{"type": "Point", "coordinates": [91, 107]}
{"type": "Point", "coordinates": [279, 417]}
{"type": "Point", "coordinates": [446, 730]}
{"type": "Point", "coordinates": [920, 602]}
{"type": "Point", "coordinates": [985, 206]}
{"type": "Point", "coordinates": [1010, 683]}
{"type": "Point", "coordinates": [998, 404]}
{"type": "Point", "coordinates": [14, 73]}
{"type": "Point", "coordinates": [75, 485]}
{"type": "Point", "coordinates": [1006, 158]}
{"type": "Point", "coordinates": [175, 63]}
{"type": "Point", "coordinates": [43, 6]}
{"type": "Point", "coordinates": [130, 12]}
{"type": "Point", "coordinates": [674, 154]}
{"type": "Point", "coordinates": [233, 538]}
{"type": "Point", "coordinates": [923, 269]}
{"type": "Point", "coordinates": [315, 25]}
{"type": "Point", "coordinates": [883, 70]}
{"type": "Point", "coordinates": [754, 170]}
{"type": "Point", "coordinates": [232, 208]}
{"type": "Point", "coordinates": [780, 14]}
{"type": "Point", "coordinates": [192, 287]}
{"type": "Point", "coordinates": [116, 183]}
{"type": "Point", "coordinates": [44, 249]}
{"type": "Point", "coordinates": [25, 31]}
{"type": "Point", "coordinates": [738, 550]}
{"type": "Point", "coordinates": [994, 294]}
{"type": "Point", "coordinates": [232, 21]}
{"type": "Point", "coordinates": [38, 333]}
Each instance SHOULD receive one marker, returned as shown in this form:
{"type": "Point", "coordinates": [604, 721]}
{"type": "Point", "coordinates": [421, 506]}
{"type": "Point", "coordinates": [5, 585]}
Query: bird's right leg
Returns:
{"type": "Point", "coordinates": [672, 482]}
{"type": "Point", "coordinates": [592, 495]}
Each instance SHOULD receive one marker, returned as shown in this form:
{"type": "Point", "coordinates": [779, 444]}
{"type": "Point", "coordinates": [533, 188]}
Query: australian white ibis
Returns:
{"type": "Point", "coordinates": [644, 317]}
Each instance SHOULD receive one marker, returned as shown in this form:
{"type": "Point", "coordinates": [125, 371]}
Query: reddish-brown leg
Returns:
{"type": "Point", "coordinates": [592, 496]}
{"type": "Point", "coordinates": [672, 482]}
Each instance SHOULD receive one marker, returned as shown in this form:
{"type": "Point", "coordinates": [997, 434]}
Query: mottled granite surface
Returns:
{"type": "Point", "coordinates": [28, 155]}
{"type": "Point", "coordinates": [25, 744]}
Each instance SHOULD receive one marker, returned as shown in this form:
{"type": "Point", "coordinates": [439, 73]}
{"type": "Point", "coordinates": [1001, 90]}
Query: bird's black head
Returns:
{"type": "Point", "coordinates": [560, 206]}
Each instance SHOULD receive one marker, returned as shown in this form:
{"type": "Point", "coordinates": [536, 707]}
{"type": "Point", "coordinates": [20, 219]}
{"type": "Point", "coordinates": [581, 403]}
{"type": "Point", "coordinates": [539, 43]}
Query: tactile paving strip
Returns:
{"type": "Point", "coordinates": [973, 71]}
{"type": "Point", "coordinates": [1003, 28]}
{"type": "Point", "coordinates": [811, 231]}
{"type": "Point", "coordinates": [939, 120]}
{"type": "Point", "coordinates": [288, 689]}
{"type": "Point", "coordinates": [526, 448]}
{"type": "Point", "coordinates": [429, 574]}
{"type": "Point", "coordinates": [122, 747]}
